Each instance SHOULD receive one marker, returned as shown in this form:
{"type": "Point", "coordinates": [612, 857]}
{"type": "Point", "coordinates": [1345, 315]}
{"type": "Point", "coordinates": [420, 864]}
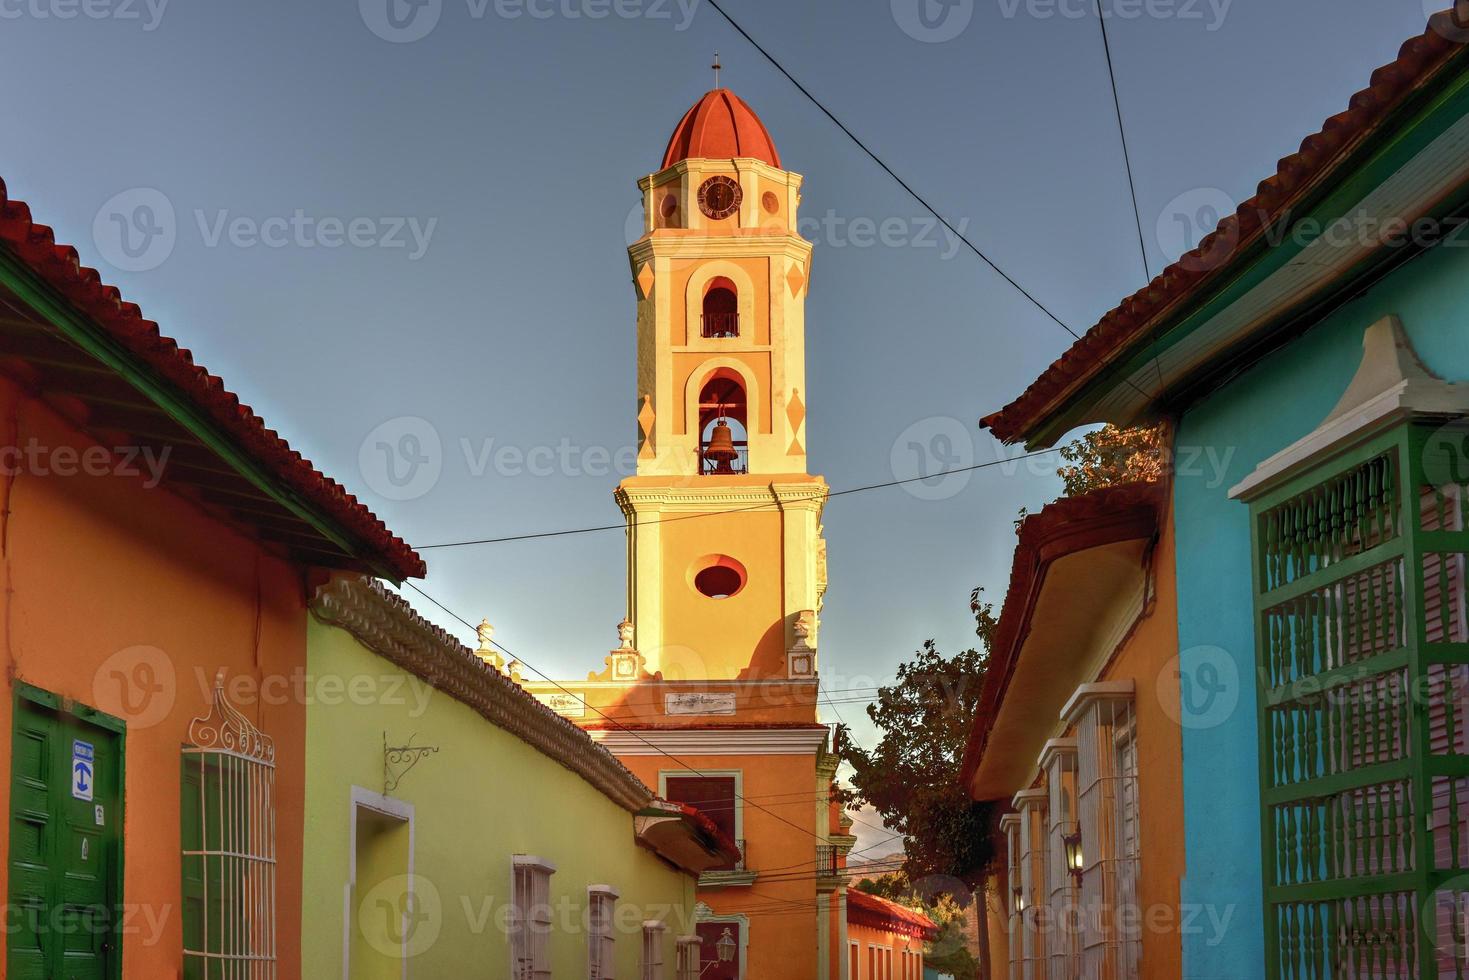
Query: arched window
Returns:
{"type": "Point", "coordinates": [721, 317]}
{"type": "Point", "coordinates": [723, 437]}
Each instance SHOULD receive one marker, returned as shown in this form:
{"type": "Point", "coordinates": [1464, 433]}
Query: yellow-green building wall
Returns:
{"type": "Point", "coordinates": [482, 798]}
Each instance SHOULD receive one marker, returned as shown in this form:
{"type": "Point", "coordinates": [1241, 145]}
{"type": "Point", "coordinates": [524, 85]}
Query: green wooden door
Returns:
{"type": "Point", "coordinates": [65, 847]}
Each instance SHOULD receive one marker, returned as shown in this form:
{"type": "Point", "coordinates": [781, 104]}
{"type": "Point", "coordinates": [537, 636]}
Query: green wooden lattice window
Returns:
{"type": "Point", "coordinates": [1363, 674]}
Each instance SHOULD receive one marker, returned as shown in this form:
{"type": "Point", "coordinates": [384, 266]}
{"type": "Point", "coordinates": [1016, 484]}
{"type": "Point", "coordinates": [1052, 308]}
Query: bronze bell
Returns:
{"type": "Point", "coordinates": [721, 448]}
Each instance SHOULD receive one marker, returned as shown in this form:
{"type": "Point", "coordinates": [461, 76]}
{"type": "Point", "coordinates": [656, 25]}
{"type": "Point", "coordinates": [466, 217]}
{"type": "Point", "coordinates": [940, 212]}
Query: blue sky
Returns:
{"type": "Point", "coordinates": [367, 230]}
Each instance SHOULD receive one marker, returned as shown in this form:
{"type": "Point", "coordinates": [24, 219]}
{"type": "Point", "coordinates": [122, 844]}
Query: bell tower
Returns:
{"type": "Point", "coordinates": [726, 564]}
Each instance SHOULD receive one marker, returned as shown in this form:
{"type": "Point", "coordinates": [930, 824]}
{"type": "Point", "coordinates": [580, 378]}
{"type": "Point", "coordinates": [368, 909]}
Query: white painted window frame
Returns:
{"type": "Point", "coordinates": [739, 789]}
{"type": "Point", "coordinates": [385, 806]}
{"type": "Point", "coordinates": [530, 917]}
{"type": "Point", "coordinates": [687, 949]}
{"type": "Point", "coordinates": [653, 931]}
{"type": "Point", "coordinates": [602, 932]}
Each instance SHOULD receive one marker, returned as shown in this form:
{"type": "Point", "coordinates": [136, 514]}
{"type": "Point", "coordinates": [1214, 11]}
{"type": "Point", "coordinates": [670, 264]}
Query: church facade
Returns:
{"type": "Point", "coordinates": [710, 696]}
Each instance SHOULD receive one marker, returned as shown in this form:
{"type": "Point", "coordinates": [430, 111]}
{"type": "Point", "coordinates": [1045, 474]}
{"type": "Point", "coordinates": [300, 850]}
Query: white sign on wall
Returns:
{"type": "Point", "coordinates": [699, 703]}
{"type": "Point", "coordinates": [83, 771]}
{"type": "Point", "coordinates": [565, 705]}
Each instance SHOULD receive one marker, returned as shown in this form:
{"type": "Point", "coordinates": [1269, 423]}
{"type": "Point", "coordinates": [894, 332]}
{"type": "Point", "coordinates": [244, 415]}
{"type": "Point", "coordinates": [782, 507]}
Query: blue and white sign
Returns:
{"type": "Point", "coordinates": [82, 769]}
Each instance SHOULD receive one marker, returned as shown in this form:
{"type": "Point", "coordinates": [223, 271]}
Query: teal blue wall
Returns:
{"type": "Point", "coordinates": [1272, 405]}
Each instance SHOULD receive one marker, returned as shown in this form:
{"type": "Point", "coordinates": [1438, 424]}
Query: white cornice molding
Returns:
{"type": "Point", "coordinates": [1087, 694]}
{"type": "Point", "coordinates": [679, 243]}
{"type": "Point", "coordinates": [712, 741]}
{"type": "Point", "coordinates": [690, 499]}
{"type": "Point", "coordinates": [697, 684]}
{"type": "Point", "coordinates": [388, 626]}
{"type": "Point", "coordinates": [1055, 747]}
{"type": "Point", "coordinates": [699, 165]}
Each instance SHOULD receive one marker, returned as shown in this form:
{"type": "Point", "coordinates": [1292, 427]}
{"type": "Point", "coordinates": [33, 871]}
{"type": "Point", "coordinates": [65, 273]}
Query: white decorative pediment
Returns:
{"type": "Point", "coordinates": [1391, 385]}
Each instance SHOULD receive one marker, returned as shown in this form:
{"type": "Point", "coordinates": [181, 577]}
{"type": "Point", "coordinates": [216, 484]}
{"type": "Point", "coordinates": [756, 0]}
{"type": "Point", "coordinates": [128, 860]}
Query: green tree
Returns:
{"type": "Point", "coordinates": [911, 778]}
{"type": "Point", "coordinates": [1110, 455]}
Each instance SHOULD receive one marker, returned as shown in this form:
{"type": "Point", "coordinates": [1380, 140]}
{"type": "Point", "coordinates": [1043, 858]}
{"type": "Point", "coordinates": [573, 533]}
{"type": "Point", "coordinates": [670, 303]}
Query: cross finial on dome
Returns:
{"type": "Point", "coordinates": [716, 66]}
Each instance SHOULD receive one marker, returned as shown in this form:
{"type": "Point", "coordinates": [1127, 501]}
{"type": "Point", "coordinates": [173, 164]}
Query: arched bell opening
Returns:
{"type": "Point", "coordinates": [721, 311]}
{"type": "Point", "coordinates": [724, 446]}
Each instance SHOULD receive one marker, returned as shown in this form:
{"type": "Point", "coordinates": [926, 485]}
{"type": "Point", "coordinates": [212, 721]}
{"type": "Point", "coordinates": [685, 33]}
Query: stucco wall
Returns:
{"type": "Point", "coordinates": [780, 907]}
{"type": "Point", "coordinates": [483, 797]}
{"type": "Point", "coordinates": [1280, 400]}
{"type": "Point", "coordinates": [866, 936]}
{"type": "Point", "coordinates": [1146, 658]}
{"type": "Point", "coordinates": [127, 599]}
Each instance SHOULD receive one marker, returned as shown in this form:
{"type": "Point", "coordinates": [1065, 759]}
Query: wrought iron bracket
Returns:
{"type": "Point", "coordinates": [398, 759]}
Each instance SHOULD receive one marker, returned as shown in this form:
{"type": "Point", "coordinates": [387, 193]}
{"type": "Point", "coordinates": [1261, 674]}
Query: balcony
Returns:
{"type": "Point", "coordinates": [826, 861]}
{"type": "Point", "coordinates": [720, 324]}
{"type": "Point", "coordinates": [737, 874]}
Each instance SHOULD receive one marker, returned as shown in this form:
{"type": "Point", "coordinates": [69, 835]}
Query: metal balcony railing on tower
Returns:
{"type": "Point", "coordinates": [826, 860]}
{"type": "Point", "coordinates": [720, 324]}
{"type": "Point", "coordinates": [719, 464]}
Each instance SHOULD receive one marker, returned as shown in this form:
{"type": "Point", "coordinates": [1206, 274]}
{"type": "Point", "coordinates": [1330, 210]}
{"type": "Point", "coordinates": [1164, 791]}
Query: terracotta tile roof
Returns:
{"type": "Point", "coordinates": [1321, 158]}
{"type": "Point", "coordinates": [1069, 525]}
{"type": "Point", "coordinates": [60, 268]}
{"type": "Point", "coordinates": [720, 125]}
{"type": "Point", "coordinates": [879, 913]}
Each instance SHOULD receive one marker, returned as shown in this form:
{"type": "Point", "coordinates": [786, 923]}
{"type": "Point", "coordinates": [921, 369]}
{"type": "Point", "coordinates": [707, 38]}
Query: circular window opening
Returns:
{"type": "Point", "coordinates": [770, 202]}
{"type": "Point", "coordinates": [669, 205]}
{"type": "Point", "coordinates": [717, 576]}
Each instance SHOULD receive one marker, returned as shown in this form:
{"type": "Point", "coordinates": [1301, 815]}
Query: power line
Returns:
{"type": "Point", "coordinates": [632, 732]}
{"type": "Point", "coordinates": [889, 170]}
{"type": "Point", "coordinates": [559, 686]}
{"type": "Point", "coordinates": [735, 510]}
{"type": "Point", "coordinates": [909, 188]}
{"type": "Point", "coordinates": [1137, 215]}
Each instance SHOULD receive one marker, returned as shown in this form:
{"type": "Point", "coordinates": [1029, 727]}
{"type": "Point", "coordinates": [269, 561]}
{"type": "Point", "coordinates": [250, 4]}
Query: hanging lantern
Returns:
{"type": "Point", "coordinates": [721, 449]}
{"type": "Point", "coordinates": [1019, 899]}
{"type": "Point", "coordinates": [1072, 843]}
{"type": "Point", "coordinates": [725, 947]}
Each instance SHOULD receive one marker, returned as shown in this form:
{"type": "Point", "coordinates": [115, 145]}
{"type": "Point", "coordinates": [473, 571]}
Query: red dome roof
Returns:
{"type": "Point", "coordinates": [720, 125]}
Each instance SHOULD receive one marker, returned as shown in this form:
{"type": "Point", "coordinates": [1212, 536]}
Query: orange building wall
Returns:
{"type": "Point", "coordinates": [1148, 658]}
{"type": "Point", "coordinates": [781, 945]}
{"type": "Point", "coordinates": [95, 565]}
{"type": "Point", "coordinates": [865, 935]}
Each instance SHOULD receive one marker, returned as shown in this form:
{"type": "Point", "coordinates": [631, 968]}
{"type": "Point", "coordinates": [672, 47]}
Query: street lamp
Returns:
{"type": "Point", "coordinates": [1072, 843]}
{"type": "Point", "coordinates": [1019, 899]}
{"type": "Point", "coordinates": [724, 947]}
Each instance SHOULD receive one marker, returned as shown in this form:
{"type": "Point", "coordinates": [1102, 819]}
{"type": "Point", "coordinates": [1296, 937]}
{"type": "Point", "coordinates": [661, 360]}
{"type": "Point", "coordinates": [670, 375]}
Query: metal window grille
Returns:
{"type": "Point", "coordinates": [688, 957]}
{"type": "Point", "coordinates": [530, 920]}
{"type": "Point", "coordinates": [653, 950]}
{"type": "Point", "coordinates": [601, 936]}
{"type": "Point", "coordinates": [1063, 939]}
{"type": "Point", "coordinates": [227, 819]}
{"type": "Point", "coordinates": [1363, 662]}
{"type": "Point", "coordinates": [1031, 806]}
{"type": "Point", "coordinates": [1106, 776]}
{"type": "Point", "coordinates": [1014, 919]}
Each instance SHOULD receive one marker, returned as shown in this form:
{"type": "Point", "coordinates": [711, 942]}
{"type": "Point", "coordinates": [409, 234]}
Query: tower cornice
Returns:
{"type": "Point", "coordinates": [697, 245]}
{"type": "Point", "coordinates": [806, 493]}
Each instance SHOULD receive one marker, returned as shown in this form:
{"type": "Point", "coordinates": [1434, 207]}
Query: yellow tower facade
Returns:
{"type": "Point", "coordinates": [710, 696]}
{"type": "Point", "coordinates": [726, 564]}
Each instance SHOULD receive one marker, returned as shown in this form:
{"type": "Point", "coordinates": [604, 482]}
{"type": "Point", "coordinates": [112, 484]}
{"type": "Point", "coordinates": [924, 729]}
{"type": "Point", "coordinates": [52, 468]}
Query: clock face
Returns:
{"type": "Point", "coordinates": [719, 197]}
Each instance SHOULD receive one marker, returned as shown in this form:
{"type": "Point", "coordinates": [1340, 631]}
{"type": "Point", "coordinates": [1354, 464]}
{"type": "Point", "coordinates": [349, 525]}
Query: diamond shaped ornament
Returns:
{"type": "Point", "coordinates": [796, 413]}
{"type": "Point", "coordinates": [645, 280]}
{"type": "Point", "coordinates": [645, 428]}
{"type": "Point", "coordinates": [795, 278]}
